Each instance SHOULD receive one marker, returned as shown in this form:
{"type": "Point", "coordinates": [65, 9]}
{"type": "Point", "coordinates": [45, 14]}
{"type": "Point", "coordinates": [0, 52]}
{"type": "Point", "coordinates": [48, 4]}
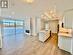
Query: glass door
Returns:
{"type": "Point", "coordinates": [13, 27]}
{"type": "Point", "coordinates": [19, 26]}
{"type": "Point", "coordinates": [8, 27]}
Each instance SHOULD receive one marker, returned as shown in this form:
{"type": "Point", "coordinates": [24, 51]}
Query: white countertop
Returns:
{"type": "Point", "coordinates": [65, 32]}
{"type": "Point", "coordinates": [65, 35]}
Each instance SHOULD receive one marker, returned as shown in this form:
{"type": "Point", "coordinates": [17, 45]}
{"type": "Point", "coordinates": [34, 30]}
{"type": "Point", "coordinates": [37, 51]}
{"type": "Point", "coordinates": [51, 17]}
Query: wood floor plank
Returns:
{"type": "Point", "coordinates": [30, 45]}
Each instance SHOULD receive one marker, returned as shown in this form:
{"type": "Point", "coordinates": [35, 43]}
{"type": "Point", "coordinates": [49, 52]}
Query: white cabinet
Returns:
{"type": "Point", "coordinates": [65, 39]}
{"type": "Point", "coordinates": [44, 35]}
{"type": "Point", "coordinates": [27, 25]}
{"type": "Point", "coordinates": [65, 43]}
{"type": "Point", "coordinates": [53, 25]}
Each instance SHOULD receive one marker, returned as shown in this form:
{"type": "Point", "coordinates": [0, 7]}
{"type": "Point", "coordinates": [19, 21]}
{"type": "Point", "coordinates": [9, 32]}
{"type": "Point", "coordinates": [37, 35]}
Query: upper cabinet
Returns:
{"type": "Point", "coordinates": [68, 20]}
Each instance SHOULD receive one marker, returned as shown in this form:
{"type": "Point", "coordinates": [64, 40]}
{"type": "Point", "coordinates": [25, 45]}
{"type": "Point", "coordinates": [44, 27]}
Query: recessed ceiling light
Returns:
{"type": "Point", "coordinates": [29, 1]}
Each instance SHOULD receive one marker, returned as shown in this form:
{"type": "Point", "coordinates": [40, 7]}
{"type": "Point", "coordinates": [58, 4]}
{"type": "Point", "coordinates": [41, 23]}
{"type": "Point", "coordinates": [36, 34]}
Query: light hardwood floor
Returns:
{"type": "Point", "coordinates": [30, 45]}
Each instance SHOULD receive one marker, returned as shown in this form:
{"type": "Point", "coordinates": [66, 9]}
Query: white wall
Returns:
{"type": "Point", "coordinates": [0, 38]}
{"type": "Point", "coordinates": [38, 25]}
{"type": "Point", "coordinates": [72, 46]}
{"type": "Point", "coordinates": [27, 23]}
{"type": "Point", "coordinates": [0, 11]}
{"type": "Point", "coordinates": [53, 26]}
{"type": "Point", "coordinates": [0, 35]}
{"type": "Point", "coordinates": [19, 9]}
{"type": "Point", "coordinates": [68, 19]}
{"type": "Point", "coordinates": [33, 26]}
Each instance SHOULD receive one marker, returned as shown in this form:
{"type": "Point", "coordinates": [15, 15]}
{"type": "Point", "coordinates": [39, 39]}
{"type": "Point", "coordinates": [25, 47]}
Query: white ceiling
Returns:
{"type": "Point", "coordinates": [20, 9]}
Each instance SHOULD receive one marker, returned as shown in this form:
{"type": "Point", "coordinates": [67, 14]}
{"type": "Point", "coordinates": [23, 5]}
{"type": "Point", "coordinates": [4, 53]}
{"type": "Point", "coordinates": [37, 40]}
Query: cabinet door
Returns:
{"type": "Point", "coordinates": [68, 20]}
{"type": "Point", "coordinates": [65, 43]}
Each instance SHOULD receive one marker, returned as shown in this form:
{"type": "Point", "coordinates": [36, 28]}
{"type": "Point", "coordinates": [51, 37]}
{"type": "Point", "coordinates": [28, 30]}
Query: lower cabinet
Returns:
{"type": "Point", "coordinates": [65, 40]}
{"type": "Point", "coordinates": [44, 35]}
{"type": "Point", "coordinates": [65, 43]}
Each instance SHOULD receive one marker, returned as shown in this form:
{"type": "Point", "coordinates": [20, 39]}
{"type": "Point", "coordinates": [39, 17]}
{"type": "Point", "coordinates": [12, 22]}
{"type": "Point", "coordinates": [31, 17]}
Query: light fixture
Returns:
{"type": "Point", "coordinates": [29, 1]}
{"type": "Point", "coordinates": [51, 14]}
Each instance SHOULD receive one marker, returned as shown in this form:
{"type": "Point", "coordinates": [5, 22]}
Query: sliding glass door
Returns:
{"type": "Point", "coordinates": [8, 27]}
{"type": "Point", "coordinates": [13, 27]}
{"type": "Point", "coordinates": [19, 26]}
